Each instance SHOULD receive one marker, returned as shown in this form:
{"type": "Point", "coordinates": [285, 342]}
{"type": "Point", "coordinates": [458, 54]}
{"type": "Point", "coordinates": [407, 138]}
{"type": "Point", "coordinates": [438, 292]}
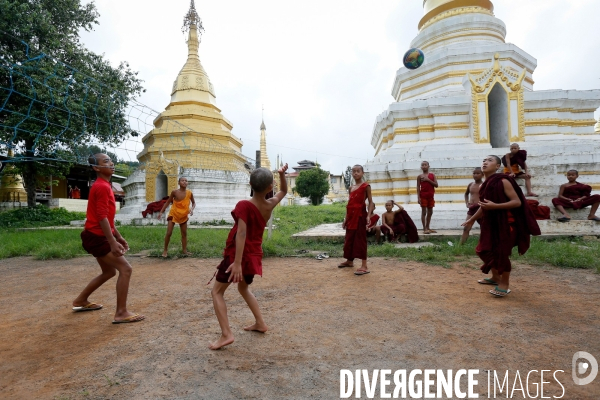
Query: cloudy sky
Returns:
{"type": "Point", "coordinates": [323, 69]}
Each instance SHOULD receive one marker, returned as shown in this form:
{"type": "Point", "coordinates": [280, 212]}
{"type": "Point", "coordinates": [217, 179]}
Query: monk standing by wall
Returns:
{"type": "Point", "coordinates": [355, 222]}
{"type": "Point", "coordinates": [518, 166]}
{"type": "Point", "coordinates": [179, 214]}
{"type": "Point", "coordinates": [576, 195]}
{"type": "Point", "coordinates": [426, 184]}
{"type": "Point", "coordinates": [472, 200]}
{"type": "Point", "coordinates": [506, 222]}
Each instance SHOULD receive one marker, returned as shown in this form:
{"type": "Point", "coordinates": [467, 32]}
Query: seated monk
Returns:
{"type": "Point", "coordinates": [373, 229]}
{"type": "Point", "coordinates": [154, 206]}
{"type": "Point", "coordinates": [576, 195]}
{"type": "Point", "coordinates": [518, 166]}
{"type": "Point", "coordinates": [391, 227]}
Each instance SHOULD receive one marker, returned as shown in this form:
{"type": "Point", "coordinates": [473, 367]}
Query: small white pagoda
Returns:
{"type": "Point", "coordinates": [473, 96]}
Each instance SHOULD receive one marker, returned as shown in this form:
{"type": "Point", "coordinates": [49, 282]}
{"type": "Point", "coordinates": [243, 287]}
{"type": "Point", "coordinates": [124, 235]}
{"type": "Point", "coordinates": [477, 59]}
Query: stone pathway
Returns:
{"type": "Point", "coordinates": [335, 231]}
{"type": "Point", "coordinates": [549, 229]}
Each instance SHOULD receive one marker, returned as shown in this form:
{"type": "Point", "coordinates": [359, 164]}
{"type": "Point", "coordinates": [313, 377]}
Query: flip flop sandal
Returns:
{"type": "Point", "coordinates": [88, 307]}
{"type": "Point", "coordinates": [432, 231]}
{"type": "Point", "coordinates": [563, 219]}
{"type": "Point", "coordinates": [487, 281]}
{"type": "Point", "coordinates": [595, 219]}
{"type": "Point", "coordinates": [361, 272]}
{"type": "Point", "coordinates": [499, 292]}
{"type": "Point", "coordinates": [325, 255]}
{"type": "Point", "coordinates": [345, 266]}
{"type": "Point", "coordinates": [129, 320]}
{"type": "Point", "coordinates": [320, 257]}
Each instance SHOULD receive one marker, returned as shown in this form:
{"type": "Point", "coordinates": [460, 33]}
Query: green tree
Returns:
{"type": "Point", "coordinates": [55, 95]}
{"type": "Point", "coordinates": [314, 184]}
{"type": "Point", "coordinates": [348, 177]}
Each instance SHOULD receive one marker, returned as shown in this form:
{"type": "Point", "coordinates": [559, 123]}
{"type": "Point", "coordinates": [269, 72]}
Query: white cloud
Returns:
{"type": "Point", "coordinates": [323, 69]}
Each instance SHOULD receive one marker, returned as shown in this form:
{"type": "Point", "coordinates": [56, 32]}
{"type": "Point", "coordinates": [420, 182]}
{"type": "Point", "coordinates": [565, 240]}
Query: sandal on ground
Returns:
{"type": "Point", "coordinates": [359, 272]}
{"type": "Point", "coordinates": [499, 292]}
{"type": "Point", "coordinates": [563, 219]}
{"type": "Point", "coordinates": [344, 265]}
{"type": "Point", "coordinates": [487, 281]}
{"type": "Point", "coordinates": [594, 219]}
{"type": "Point", "coordinates": [88, 307]}
{"type": "Point", "coordinates": [128, 320]}
{"type": "Point", "coordinates": [322, 256]}
{"type": "Point", "coordinates": [432, 231]}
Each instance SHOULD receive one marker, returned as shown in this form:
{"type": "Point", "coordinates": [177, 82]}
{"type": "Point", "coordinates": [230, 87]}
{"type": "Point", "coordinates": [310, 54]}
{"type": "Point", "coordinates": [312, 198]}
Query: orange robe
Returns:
{"type": "Point", "coordinates": [180, 209]}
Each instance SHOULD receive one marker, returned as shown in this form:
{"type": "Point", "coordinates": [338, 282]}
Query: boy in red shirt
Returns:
{"type": "Point", "coordinates": [242, 257]}
{"type": "Point", "coordinates": [101, 239]}
{"type": "Point", "coordinates": [426, 184]}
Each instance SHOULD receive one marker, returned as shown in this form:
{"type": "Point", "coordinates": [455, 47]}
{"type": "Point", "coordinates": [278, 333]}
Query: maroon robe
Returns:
{"type": "Point", "coordinates": [501, 230]}
{"type": "Point", "coordinates": [155, 206]}
{"type": "Point", "coordinates": [355, 243]}
{"type": "Point", "coordinates": [518, 159]}
{"type": "Point", "coordinates": [540, 212]}
{"type": "Point", "coordinates": [574, 192]}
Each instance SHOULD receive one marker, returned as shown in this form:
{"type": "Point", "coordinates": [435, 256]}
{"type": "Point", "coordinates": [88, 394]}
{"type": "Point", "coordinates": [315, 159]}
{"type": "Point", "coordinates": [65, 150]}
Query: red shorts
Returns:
{"type": "Point", "coordinates": [97, 246]}
{"type": "Point", "coordinates": [223, 276]}
{"type": "Point", "coordinates": [427, 203]}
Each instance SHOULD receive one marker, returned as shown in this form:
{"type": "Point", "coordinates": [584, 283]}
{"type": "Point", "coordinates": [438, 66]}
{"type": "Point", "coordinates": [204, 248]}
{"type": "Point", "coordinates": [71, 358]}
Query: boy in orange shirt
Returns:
{"type": "Point", "coordinates": [179, 214]}
{"type": "Point", "coordinates": [101, 239]}
{"type": "Point", "coordinates": [242, 257]}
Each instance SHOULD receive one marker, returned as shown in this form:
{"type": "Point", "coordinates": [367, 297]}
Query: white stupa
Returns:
{"type": "Point", "coordinates": [473, 96]}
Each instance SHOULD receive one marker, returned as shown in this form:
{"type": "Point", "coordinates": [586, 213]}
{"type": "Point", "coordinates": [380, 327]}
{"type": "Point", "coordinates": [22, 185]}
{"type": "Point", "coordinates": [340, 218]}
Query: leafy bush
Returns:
{"type": "Point", "coordinates": [38, 217]}
{"type": "Point", "coordinates": [314, 184]}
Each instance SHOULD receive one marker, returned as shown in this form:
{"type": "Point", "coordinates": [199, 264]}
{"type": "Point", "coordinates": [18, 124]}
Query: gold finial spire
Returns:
{"type": "Point", "coordinates": [264, 158]}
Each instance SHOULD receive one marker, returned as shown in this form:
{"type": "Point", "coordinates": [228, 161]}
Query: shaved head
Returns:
{"type": "Point", "coordinates": [261, 179]}
{"type": "Point", "coordinates": [498, 160]}
{"type": "Point", "coordinates": [92, 160]}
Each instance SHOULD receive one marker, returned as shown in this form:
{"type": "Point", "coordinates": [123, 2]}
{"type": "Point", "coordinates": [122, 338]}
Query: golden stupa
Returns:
{"type": "Point", "coordinates": [191, 133]}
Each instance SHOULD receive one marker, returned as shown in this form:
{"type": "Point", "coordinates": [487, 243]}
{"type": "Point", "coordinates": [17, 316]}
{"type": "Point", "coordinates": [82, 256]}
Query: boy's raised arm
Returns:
{"type": "Point", "coordinates": [283, 189]}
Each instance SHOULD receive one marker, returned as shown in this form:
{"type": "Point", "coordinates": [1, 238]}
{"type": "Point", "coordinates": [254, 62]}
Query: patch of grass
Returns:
{"type": "Point", "coordinates": [209, 243]}
{"type": "Point", "coordinates": [38, 217]}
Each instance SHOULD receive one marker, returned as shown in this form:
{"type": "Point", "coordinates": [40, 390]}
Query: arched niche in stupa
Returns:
{"type": "Point", "coordinates": [162, 185]}
{"type": "Point", "coordinates": [498, 114]}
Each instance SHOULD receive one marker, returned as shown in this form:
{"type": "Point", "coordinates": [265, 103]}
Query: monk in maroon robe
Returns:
{"type": "Point", "coordinates": [515, 165]}
{"type": "Point", "coordinates": [576, 195]}
{"type": "Point", "coordinates": [355, 223]}
{"type": "Point", "coordinates": [506, 222]}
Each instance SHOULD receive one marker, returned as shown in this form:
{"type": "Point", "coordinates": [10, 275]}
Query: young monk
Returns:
{"type": "Point", "coordinates": [101, 239]}
{"type": "Point", "coordinates": [179, 214]}
{"type": "Point", "coordinates": [518, 166]}
{"type": "Point", "coordinates": [426, 184]}
{"type": "Point", "coordinates": [388, 218]}
{"type": "Point", "coordinates": [506, 222]}
{"type": "Point", "coordinates": [472, 200]}
{"type": "Point", "coordinates": [576, 195]}
{"type": "Point", "coordinates": [355, 222]}
{"type": "Point", "coordinates": [373, 229]}
{"type": "Point", "coordinates": [242, 257]}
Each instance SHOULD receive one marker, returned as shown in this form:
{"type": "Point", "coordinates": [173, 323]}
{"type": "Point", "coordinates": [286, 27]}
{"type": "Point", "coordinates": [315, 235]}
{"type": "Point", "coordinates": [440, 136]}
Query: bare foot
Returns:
{"type": "Point", "coordinates": [262, 328]}
{"type": "Point", "coordinates": [187, 253]}
{"type": "Point", "coordinates": [222, 342]}
{"type": "Point", "coordinates": [164, 254]}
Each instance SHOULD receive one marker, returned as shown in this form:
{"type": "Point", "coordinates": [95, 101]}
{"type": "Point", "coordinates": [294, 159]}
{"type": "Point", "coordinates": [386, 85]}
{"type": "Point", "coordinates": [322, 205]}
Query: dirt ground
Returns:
{"type": "Point", "coordinates": [322, 319]}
